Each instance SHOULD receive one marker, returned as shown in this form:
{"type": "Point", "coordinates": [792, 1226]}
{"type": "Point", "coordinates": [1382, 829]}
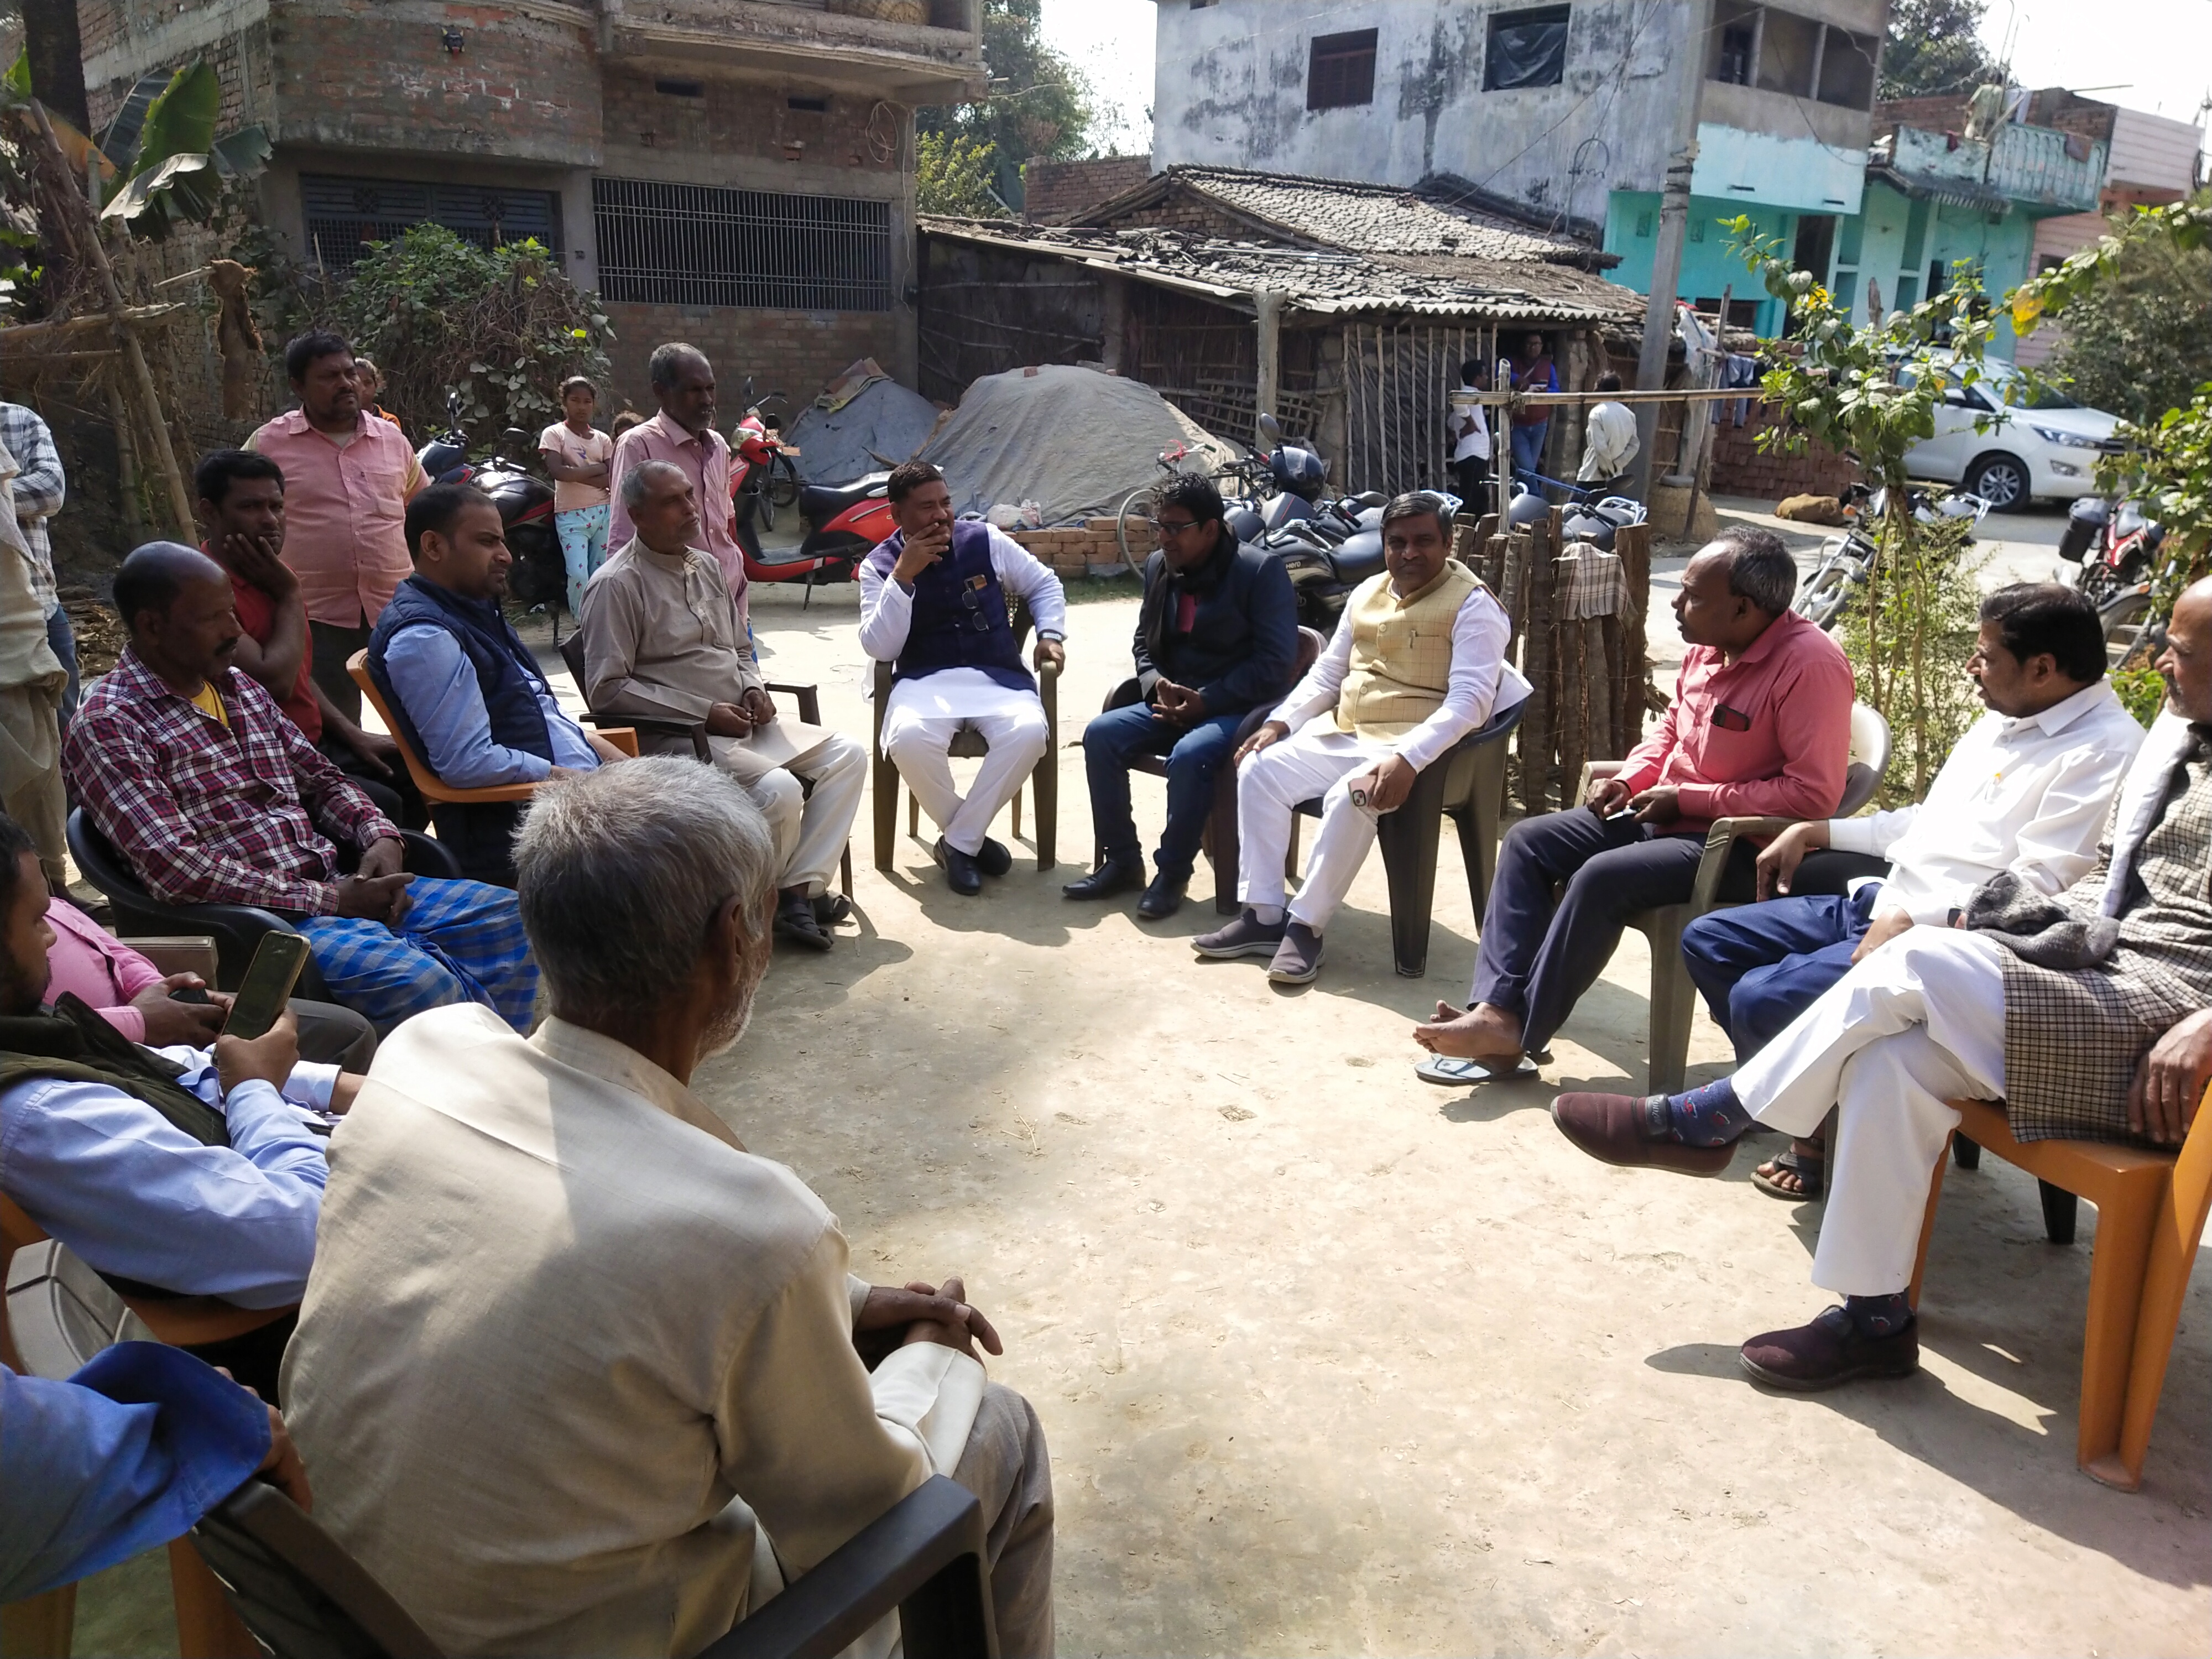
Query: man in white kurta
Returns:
{"type": "Point", "coordinates": [576, 1371]}
{"type": "Point", "coordinates": [934, 604]}
{"type": "Point", "coordinates": [1417, 661]}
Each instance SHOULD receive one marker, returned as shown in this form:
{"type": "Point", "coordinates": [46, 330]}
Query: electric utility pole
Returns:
{"type": "Point", "coordinates": [1666, 253]}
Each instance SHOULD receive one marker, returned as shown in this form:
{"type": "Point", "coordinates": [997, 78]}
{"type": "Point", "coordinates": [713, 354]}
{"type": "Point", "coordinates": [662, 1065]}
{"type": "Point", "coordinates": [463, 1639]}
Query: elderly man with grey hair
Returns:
{"type": "Point", "coordinates": [1760, 724]}
{"type": "Point", "coordinates": [683, 435]}
{"type": "Point", "coordinates": [663, 640]}
{"type": "Point", "coordinates": [576, 1372]}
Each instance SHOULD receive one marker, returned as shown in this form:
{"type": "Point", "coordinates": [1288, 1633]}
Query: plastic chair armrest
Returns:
{"type": "Point", "coordinates": [1720, 841]}
{"type": "Point", "coordinates": [808, 697]}
{"type": "Point", "coordinates": [179, 953]}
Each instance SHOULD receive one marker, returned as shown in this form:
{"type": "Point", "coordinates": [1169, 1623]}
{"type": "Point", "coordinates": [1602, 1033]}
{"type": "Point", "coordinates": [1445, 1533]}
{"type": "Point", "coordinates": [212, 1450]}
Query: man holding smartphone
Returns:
{"type": "Point", "coordinates": [1760, 724]}
{"type": "Point", "coordinates": [933, 605]}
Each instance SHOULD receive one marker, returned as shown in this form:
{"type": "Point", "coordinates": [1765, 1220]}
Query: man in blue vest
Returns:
{"type": "Point", "coordinates": [467, 695]}
{"type": "Point", "coordinates": [933, 605]}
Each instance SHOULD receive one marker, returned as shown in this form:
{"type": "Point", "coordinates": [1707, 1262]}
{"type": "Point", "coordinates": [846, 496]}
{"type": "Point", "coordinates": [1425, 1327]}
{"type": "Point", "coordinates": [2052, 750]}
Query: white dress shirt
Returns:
{"type": "Point", "coordinates": [1481, 683]}
{"type": "Point", "coordinates": [2030, 795]}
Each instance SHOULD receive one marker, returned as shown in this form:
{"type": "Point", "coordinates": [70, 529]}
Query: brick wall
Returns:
{"type": "Point", "coordinates": [375, 74]}
{"type": "Point", "coordinates": [1051, 190]}
{"type": "Point", "coordinates": [240, 60]}
{"type": "Point", "coordinates": [753, 120]}
{"type": "Point", "coordinates": [1182, 208]}
{"type": "Point", "coordinates": [1091, 549]}
{"type": "Point", "coordinates": [1739, 469]}
{"type": "Point", "coordinates": [794, 352]}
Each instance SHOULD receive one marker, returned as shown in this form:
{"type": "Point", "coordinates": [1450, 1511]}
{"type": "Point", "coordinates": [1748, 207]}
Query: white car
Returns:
{"type": "Point", "coordinates": [2039, 445]}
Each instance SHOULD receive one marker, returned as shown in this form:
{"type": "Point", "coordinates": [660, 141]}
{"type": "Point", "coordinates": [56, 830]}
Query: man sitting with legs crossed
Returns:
{"type": "Point", "coordinates": [933, 605]}
{"type": "Point", "coordinates": [1417, 663]}
{"type": "Point", "coordinates": [2026, 789]}
{"type": "Point", "coordinates": [2089, 1015]}
{"type": "Point", "coordinates": [213, 797]}
{"type": "Point", "coordinates": [1760, 724]}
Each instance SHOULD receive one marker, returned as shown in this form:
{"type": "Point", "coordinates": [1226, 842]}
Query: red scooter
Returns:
{"type": "Point", "coordinates": [761, 478]}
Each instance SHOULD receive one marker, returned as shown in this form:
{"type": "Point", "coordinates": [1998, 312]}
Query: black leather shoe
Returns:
{"type": "Point", "coordinates": [795, 920]}
{"type": "Point", "coordinates": [1161, 900]}
{"type": "Point", "coordinates": [993, 859]}
{"type": "Point", "coordinates": [1107, 879]}
{"type": "Point", "coordinates": [961, 874]}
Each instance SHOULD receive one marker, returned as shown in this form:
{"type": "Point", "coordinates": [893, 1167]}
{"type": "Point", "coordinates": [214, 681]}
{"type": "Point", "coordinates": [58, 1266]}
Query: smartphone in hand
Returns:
{"type": "Point", "coordinates": [277, 962]}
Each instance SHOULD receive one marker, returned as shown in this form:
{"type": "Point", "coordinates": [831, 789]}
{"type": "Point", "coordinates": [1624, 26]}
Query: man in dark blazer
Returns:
{"type": "Point", "coordinates": [1218, 636]}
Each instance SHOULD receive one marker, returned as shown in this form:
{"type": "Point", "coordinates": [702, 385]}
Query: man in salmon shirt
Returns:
{"type": "Point", "coordinates": [348, 476]}
{"type": "Point", "coordinates": [1760, 725]}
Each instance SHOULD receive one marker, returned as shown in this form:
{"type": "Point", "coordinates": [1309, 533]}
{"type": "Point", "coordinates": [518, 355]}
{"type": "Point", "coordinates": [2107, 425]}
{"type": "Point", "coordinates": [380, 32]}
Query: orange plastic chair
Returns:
{"type": "Point", "coordinates": [622, 737]}
{"type": "Point", "coordinates": [2151, 1208]}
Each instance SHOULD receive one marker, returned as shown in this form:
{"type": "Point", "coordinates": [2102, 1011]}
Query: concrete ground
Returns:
{"type": "Point", "coordinates": [1332, 1361]}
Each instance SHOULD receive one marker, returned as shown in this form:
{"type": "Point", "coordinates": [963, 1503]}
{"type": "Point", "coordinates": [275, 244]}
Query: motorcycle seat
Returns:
{"type": "Point", "coordinates": [819, 503]}
{"type": "Point", "coordinates": [1357, 559]}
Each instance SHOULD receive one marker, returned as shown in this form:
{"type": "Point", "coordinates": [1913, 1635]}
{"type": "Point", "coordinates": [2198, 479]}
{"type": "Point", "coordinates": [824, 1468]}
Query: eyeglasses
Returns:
{"type": "Point", "coordinates": [972, 597]}
{"type": "Point", "coordinates": [1172, 526]}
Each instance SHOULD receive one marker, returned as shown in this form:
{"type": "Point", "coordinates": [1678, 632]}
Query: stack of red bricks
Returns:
{"type": "Point", "coordinates": [1092, 548]}
{"type": "Point", "coordinates": [1740, 468]}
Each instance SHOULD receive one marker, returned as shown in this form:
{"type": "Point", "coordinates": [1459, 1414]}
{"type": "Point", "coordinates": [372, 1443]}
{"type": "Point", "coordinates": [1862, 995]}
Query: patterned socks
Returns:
{"type": "Point", "coordinates": [1710, 1116]}
{"type": "Point", "coordinates": [1879, 1315]}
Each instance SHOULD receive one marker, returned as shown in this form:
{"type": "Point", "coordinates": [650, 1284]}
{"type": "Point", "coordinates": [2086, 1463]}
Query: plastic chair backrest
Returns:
{"type": "Point", "coordinates": [1310, 645]}
{"type": "Point", "coordinates": [572, 653]}
{"type": "Point", "coordinates": [1869, 759]}
{"type": "Point", "coordinates": [296, 1589]}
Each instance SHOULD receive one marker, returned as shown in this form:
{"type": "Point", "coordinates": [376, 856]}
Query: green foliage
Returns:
{"type": "Point", "coordinates": [1935, 46]}
{"type": "Point", "coordinates": [1870, 391]}
{"type": "Point", "coordinates": [1915, 642]}
{"type": "Point", "coordinates": [952, 175]}
{"type": "Point", "coordinates": [502, 327]}
{"type": "Point", "coordinates": [171, 168]}
{"type": "Point", "coordinates": [2142, 690]}
{"type": "Point", "coordinates": [2165, 463]}
{"type": "Point", "coordinates": [1039, 107]}
{"type": "Point", "coordinates": [2139, 342]}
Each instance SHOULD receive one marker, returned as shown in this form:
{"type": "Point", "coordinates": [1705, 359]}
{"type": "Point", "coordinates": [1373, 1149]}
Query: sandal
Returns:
{"type": "Point", "coordinates": [1807, 1169]}
{"type": "Point", "coordinates": [1451, 1071]}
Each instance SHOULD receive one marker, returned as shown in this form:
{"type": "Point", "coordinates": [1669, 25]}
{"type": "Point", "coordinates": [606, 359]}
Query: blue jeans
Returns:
{"type": "Point", "coordinates": [1195, 755]}
{"type": "Point", "coordinates": [1761, 965]}
{"type": "Point", "coordinates": [63, 641]}
{"type": "Point", "coordinates": [1529, 447]}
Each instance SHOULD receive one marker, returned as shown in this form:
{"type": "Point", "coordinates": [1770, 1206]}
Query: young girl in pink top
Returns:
{"type": "Point", "coordinates": [577, 455]}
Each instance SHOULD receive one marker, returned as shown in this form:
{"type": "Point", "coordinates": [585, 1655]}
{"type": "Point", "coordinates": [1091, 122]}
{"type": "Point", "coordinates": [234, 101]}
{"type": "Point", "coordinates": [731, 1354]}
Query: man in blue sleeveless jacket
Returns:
{"type": "Point", "coordinates": [934, 604]}
{"type": "Point", "coordinates": [466, 691]}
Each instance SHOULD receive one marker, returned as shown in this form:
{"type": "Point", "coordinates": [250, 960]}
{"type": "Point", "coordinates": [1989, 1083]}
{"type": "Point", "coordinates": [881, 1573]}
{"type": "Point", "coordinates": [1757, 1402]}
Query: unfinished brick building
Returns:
{"type": "Point", "coordinates": [735, 173]}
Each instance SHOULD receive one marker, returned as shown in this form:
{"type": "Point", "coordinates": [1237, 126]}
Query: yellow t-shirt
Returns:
{"type": "Point", "coordinates": [209, 701]}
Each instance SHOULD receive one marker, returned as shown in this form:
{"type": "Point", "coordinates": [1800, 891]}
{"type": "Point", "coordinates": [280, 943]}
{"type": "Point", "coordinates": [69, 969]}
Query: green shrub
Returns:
{"type": "Point", "coordinates": [2143, 691]}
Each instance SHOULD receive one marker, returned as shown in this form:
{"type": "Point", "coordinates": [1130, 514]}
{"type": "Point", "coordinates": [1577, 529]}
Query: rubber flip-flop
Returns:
{"type": "Point", "coordinates": [1453, 1071]}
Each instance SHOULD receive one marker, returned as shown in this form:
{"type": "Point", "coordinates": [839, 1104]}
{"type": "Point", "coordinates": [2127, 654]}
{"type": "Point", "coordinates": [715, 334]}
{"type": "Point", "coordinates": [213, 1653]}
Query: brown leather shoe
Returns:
{"type": "Point", "coordinates": [1611, 1129]}
{"type": "Point", "coordinates": [1829, 1350]}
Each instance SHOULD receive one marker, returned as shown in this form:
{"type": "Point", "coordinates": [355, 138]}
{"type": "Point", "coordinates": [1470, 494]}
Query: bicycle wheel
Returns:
{"type": "Point", "coordinates": [1133, 529]}
{"type": "Point", "coordinates": [782, 480]}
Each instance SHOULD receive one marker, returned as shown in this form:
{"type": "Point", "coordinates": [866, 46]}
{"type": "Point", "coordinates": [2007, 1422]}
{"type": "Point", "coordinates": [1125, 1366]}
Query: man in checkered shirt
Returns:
{"type": "Point", "coordinates": [40, 487]}
{"type": "Point", "coordinates": [2089, 1015]}
{"type": "Point", "coordinates": [193, 772]}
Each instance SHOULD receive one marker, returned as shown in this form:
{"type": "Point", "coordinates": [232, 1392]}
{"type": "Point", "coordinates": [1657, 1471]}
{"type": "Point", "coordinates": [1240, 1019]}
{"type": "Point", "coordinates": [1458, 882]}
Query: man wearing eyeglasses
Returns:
{"type": "Point", "coordinates": [1217, 636]}
{"type": "Point", "coordinates": [934, 604]}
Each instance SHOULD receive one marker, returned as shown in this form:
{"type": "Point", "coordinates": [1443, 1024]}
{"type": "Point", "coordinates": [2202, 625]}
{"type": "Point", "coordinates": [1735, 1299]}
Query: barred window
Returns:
{"type": "Point", "coordinates": [344, 215]}
{"type": "Point", "coordinates": [1340, 72]}
{"type": "Point", "coordinates": [697, 245]}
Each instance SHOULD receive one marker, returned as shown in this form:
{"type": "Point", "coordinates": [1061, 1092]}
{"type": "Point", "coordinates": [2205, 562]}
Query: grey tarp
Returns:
{"type": "Point", "coordinates": [880, 428]}
{"type": "Point", "coordinates": [1074, 441]}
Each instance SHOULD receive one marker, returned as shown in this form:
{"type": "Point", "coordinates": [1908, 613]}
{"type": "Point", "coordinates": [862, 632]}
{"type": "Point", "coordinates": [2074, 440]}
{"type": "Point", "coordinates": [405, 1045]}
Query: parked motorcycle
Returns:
{"type": "Point", "coordinates": [1323, 573]}
{"type": "Point", "coordinates": [2114, 550]}
{"type": "Point", "coordinates": [1845, 561]}
{"type": "Point", "coordinates": [762, 475]}
{"type": "Point", "coordinates": [1294, 478]}
{"type": "Point", "coordinates": [843, 523]}
{"type": "Point", "coordinates": [539, 579]}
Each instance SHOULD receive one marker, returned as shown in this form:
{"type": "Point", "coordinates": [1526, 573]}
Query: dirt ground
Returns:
{"type": "Point", "coordinates": [1334, 1361]}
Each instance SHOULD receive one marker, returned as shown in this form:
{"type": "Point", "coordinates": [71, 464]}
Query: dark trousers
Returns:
{"type": "Point", "coordinates": [1472, 478]}
{"type": "Point", "coordinates": [254, 1359]}
{"type": "Point", "coordinates": [332, 1036]}
{"type": "Point", "coordinates": [1759, 966]}
{"type": "Point", "coordinates": [333, 647]}
{"type": "Point", "coordinates": [395, 793]}
{"type": "Point", "coordinates": [1195, 755]}
{"type": "Point", "coordinates": [1529, 447]}
{"type": "Point", "coordinates": [63, 638]}
{"type": "Point", "coordinates": [1539, 955]}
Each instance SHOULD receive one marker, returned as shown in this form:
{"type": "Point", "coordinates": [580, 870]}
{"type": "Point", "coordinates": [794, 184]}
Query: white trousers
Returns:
{"type": "Point", "coordinates": [1918, 1023]}
{"type": "Point", "coordinates": [811, 830]}
{"type": "Point", "coordinates": [918, 726]}
{"type": "Point", "coordinates": [1316, 760]}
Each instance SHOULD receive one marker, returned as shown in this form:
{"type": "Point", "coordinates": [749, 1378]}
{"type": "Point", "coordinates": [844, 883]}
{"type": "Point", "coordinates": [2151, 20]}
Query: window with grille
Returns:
{"type": "Point", "coordinates": [1525, 49]}
{"type": "Point", "coordinates": [344, 215]}
{"type": "Point", "coordinates": [1341, 72]}
{"type": "Point", "coordinates": [697, 245]}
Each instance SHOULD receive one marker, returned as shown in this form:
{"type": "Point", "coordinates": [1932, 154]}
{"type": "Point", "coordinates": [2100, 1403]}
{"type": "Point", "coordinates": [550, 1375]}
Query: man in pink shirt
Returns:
{"type": "Point", "coordinates": [683, 436]}
{"type": "Point", "coordinates": [1760, 724]}
{"type": "Point", "coordinates": [348, 476]}
{"type": "Point", "coordinates": [134, 996]}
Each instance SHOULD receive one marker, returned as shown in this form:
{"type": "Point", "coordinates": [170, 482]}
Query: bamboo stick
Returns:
{"type": "Point", "coordinates": [1538, 731]}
